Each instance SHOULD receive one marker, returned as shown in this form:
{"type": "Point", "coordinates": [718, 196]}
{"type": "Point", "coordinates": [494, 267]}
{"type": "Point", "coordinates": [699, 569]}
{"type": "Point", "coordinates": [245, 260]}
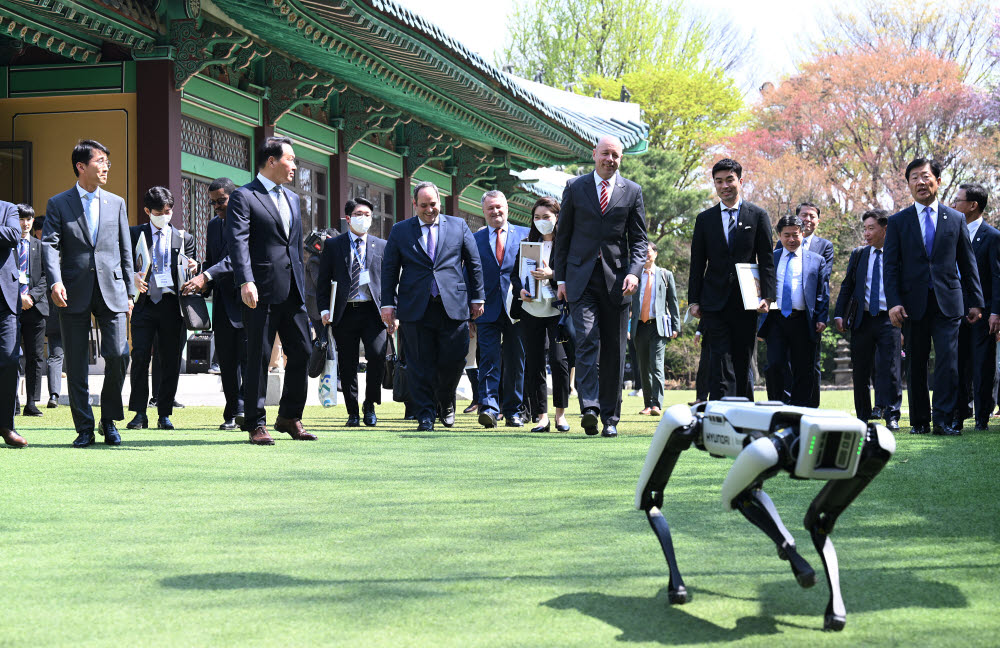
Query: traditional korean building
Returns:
{"type": "Point", "coordinates": [375, 98]}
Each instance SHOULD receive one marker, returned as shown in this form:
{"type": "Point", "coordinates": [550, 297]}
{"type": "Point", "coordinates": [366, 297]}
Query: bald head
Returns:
{"type": "Point", "coordinates": [607, 156]}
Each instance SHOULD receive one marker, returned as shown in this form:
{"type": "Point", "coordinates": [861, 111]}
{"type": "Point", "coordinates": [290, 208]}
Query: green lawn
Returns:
{"type": "Point", "coordinates": [463, 537]}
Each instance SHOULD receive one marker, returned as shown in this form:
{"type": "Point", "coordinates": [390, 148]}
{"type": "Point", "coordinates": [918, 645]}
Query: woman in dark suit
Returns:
{"type": "Point", "coordinates": [539, 318]}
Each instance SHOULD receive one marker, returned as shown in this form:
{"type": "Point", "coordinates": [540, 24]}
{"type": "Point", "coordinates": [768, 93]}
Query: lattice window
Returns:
{"type": "Point", "coordinates": [197, 211]}
{"type": "Point", "coordinates": [210, 142]}
{"type": "Point", "coordinates": [311, 186]}
{"type": "Point", "coordinates": [475, 221]}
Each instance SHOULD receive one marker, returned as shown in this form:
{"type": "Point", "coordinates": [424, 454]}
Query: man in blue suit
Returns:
{"type": "Point", "coordinates": [265, 247]}
{"type": "Point", "coordinates": [977, 344]}
{"type": "Point", "coordinates": [10, 310]}
{"type": "Point", "coordinates": [792, 329]}
{"type": "Point", "coordinates": [875, 342]}
{"type": "Point", "coordinates": [432, 283]}
{"type": "Point", "coordinates": [501, 352]}
{"type": "Point", "coordinates": [931, 282]}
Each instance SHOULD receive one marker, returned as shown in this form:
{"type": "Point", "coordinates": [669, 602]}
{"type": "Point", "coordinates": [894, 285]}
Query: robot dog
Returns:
{"type": "Point", "coordinates": [766, 438]}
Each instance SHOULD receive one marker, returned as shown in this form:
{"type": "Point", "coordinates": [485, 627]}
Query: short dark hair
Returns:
{"type": "Point", "coordinates": [364, 202]}
{"type": "Point", "coordinates": [349, 207]}
{"type": "Point", "coordinates": [788, 221]}
{"type": "Point", "coordinates": [880, 215]}
{"type": "Point", "coordinates": [39, 223]}
{"type": "Point", "coordinates": [158, 199]}
{"type": "Point", "coordinates": [919, 162]}
{"type": "Point", "coordinates": [426, 185]}
{"type": "Point", "coordinates": [84, 150]}
{"type": "Point", "coordinates": [552, 205]}
{"type": "Point", "coordinates": [270, 147]}
{"type": "Point", "coordinates": [728, 164]}
{"type": "Point", "coordinates": [227, 185]}
{"type": "Point", "coordinates": [801, 205]}
{"type": "Point", "coordinates": [25, 211]}
{"type": "Point", "coordinates": [977, 193]}
{"type": "Point", "coordinates": [651, 245]}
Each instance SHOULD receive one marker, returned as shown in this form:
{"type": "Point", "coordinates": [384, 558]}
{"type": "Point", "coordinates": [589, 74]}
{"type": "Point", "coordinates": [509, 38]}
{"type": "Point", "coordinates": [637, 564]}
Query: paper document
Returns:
{"type": "Point", "coordinates": [749, 277]}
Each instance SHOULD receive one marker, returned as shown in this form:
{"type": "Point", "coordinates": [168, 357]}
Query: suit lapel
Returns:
{"type": "Point", "coordinates": [439, 242]}
{"type": "Point", "coordinates": [265, 200]}
{"type": "Point", "coordinates": [76, 207]}
{"type": "Point", "coordinates": [618, 192]}
{"type": "Point", "coordinates": [590, 190]}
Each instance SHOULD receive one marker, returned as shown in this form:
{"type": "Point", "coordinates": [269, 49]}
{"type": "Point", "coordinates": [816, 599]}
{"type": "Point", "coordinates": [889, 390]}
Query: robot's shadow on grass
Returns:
{"type": "Point", "coordinates": [653, 619]}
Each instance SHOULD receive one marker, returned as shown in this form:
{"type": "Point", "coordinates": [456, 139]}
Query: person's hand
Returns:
{"type": "Point", "coordinates": [628, 335]}
{"type": "Point", "coordinates": [674, 335]}
{"type": "Point", "coordinates": [630, 285]}
{"type": "Point", "coordinates": [475, 310]}
{"type": "Point", "coordinates": [695, 310]}
{"type": "Point", "coordinates": [974, 315]}
{"type": "Point", "coordinates": [994, 324]}
{"type": "Point", "coordinates": [249, 294]}
{"type": "Point", "coordinates": [525, 296]}
{"type": "Point", "coordinates": [820, 327]}
{"type": "Point", "coordinates": [763, 306]}
{"type": "Point", "coordinates": [131, 305]}
{"type": "Point", "coordinates": [472, 330]}
{"type": "Point", "coordinates": [389, 318]}
{"type": "Point", "coordinates": [192, 265]}
{"type": "Point", "coordinates": [195, 284]}
{"type": "Point", "coordinates": [140, 283]}
{"type": "Point", "coordinates": [326, 318]}
{"type": "Point", "coordinates": [59, 295]}
{"type": "Point", "coordinates": [561, 292]}
{"type": "Point", "coordinates": [896, 315]}
{"type": "Point", "coordinates": [26, 302]}
{"type": "Point", "coordinates": [545, 272]}
{"type": "Point", "coordinates": [839, 323]}
{"type": "Point", "coordinates": [697, 338]}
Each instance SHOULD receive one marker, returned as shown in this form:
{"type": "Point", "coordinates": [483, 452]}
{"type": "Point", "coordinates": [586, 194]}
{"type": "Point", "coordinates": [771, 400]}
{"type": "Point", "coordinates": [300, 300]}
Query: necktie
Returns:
{"type": "Point", "coordinates": [786, 287]}
{"type": "Point", "coordinates": [928, 230]}
{"type": "Point", "coordinates": [283, 209]}
{"type": "Point", "coordinates": [876, 293]}
{"type": "Point", "coordinates": [430, 253]}
{"type": "Point", "coordinates": [22, 258]}
{"type": "Point", "coordinates": [155, 292]}
{"type": "Point", "coordinates": [604, 196]}
{"type": "Point", "coordinates": [356, 272]}
{"type": "Point", "coordinates": [647, 297]}
{"type": "Point", "coordinates": [731, 230]}
{"type": "Point", "coordinates": [92, 217]}
{"type": "Point", "coordinates": [499, 232]}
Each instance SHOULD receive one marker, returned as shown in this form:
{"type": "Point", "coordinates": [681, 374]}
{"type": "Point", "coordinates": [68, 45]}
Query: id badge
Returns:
{"type": "Point", "coordinates": [23, 278]}
{"type": "Point", "coordinates": [163, 280]}
{"type": "Point", "coordinates": [363, 278]}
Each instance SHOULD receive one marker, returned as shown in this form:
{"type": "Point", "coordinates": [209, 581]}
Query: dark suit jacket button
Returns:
{"type": "Point", "coordinates": [288, 266]}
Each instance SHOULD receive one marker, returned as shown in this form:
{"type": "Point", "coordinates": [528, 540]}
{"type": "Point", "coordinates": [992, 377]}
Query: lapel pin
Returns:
{"type": "Point", "coordinates": [945, 216]}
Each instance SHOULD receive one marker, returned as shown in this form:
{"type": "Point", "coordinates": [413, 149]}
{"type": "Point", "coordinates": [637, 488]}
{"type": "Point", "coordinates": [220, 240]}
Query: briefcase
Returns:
{"type": "Point", "coordinates": [194, 310]}
{"type": "Point", "coordinates": [318, 355]}
{"type": "Point", "coordinates": [390, 364]}
{"type": "Point", "coordinates": [852, 312]}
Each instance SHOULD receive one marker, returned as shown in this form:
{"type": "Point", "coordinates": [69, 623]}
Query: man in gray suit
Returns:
{"type": "Point", "coordinates": [87, 253]}
{"type": "Point", "coordinates": [656, 318]}
{"type": "Point", "coordinates": [599, 253]}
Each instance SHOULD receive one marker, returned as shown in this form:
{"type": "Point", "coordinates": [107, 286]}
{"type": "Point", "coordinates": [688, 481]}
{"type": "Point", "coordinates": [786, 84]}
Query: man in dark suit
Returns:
{"type": "Point", "coordinates": [734, 231]}
{"type": "Point", "coordinates": [977, 345]}
{"type": "Point", "coordinates": [875, 342]}
{"type": "Point", "coordinates": [10, 309]}
{"type": "Point", "coordinates": [432, 282]}
{"type": "Point", "coordinates": [87, 253]}
{"type": "Point", "coordinates": [265, 248]}
{"type": "Point", "coordinates": [501, 352]}
{"type": "Point", "coordinates": [354, 261]}
{"type": "Point", "coordinates": [599, 254]}
{"type": "Point", "coordinates": [227, 312]}
{"type": "Point", "coordinates": [792, 328]}
{"type": "Point", "coordinates": [156, 317]}
{"type": "Point", "coordinates": [34, 309]}
{"type": "Point", "coordinates": [931, 281]}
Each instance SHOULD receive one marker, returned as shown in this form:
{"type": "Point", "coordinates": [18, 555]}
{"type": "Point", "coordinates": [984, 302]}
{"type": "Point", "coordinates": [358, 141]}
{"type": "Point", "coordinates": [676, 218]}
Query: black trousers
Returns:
{"type": "Point", "coordinates": [977, 371]}
{"type": "Point", "coordinates": [32, 342]}
{"type": "Point", "coordinates": [918, 335]}
{"type": "Point", "coordinates": [790, 344]}
{"type": "Point", "coordinates": [730, 334]}
{"type": "Point", "coordinates": [535, 333]}
{"type": "Point", "coordinates": [231, 350]}
{"type": "Point", "coordinates": [701, 378]}
{"type": "Point", "coordinates": [9, 364]}
{"type": "Point", "coordinates": [361, 323]}
{"type": "Point", "coordinates": [289, 320]}
{"type": "Point", "coordinates": [435, 347]}
{"type": "Point", "coordinates": [54, 357]}
{"type": "Point", "coordinates": [158, 325]}
{"type": "Point", "coordinates": [876, 345]}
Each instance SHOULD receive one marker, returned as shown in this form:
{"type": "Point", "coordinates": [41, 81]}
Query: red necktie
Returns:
{"type": "Point", "coordinates": [604, 196]}
{"type": "Point", "coordinates": [499, 247]}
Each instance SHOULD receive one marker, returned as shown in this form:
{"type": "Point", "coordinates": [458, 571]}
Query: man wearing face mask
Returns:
{"type": "Point", "coordinates": [157, 313]}
{"type": "Point", "coordinates": [354, 261]}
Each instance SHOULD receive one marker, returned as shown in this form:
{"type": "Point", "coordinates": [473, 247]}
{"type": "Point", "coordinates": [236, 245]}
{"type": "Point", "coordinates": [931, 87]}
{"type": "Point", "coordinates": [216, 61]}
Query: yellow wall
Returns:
{"type": "Point", "coordinates": [55, 124]}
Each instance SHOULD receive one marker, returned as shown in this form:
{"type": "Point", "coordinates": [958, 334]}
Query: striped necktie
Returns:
{"type": "Point", "coordinates": [604, 196]}
{"type": "Point", "coordinates": [22, 258]}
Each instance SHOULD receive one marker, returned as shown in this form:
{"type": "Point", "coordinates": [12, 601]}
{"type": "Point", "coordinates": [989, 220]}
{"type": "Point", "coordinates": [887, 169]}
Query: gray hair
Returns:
{"type": "Point", "coordinates": [492, 193]}
{"type": "Point", "coordinates": [426, 185]}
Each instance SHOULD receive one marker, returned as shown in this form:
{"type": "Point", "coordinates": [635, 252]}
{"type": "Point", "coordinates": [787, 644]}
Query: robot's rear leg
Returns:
{"type": "Point", "coordinates": [835, 617]}
{"type": "Point", "coordinates": [676, 592]}
{"type": "Point", "coordinates": [757, 507]}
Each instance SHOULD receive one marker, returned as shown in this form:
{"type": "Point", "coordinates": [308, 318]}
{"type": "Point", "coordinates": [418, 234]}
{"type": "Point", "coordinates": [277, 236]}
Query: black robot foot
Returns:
{"type": "Point", "coordinates": [806, 579]}
{"type": "Point", "coordinates": [678, 596]}
{"type": "Point", "coordinates": [834, 623]}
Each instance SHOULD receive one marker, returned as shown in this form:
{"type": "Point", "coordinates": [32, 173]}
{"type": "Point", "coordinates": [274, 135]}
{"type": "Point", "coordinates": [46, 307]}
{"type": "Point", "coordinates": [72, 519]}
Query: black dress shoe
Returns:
{"type": "Point", "coordinates": [877, 413]}
{"type": "Point", "coordinates": [946, 430]}
{"type": "Point", "coordinates": [589, 421]}
{"type": "Point", "coordinates": [425, 425]}
{"type": "Point", "coordinates": [164, 423]}
{"type": "Point", "coordinates": [229, 424]}
{"type": "Point", "coordinates": [892, 424]}
{"type": "Point", "coordinates": [110, 433]}
{"type": "Point", "coordinates": [920, 429]}
{"type": "Point", "coordinates": [240, 419]}
{"type": "Point", "coordinates": [178, 405]}
{"type": "Point", "coordinates": [83, 440]}
{"type": "Point", "coordinates": [982, 427]}
{"type": "Point", "coordinates": [139, 422]}
{"type": "Point", "coordinates": [369, 416]}
{"type": "Point", "coordinates": [487, 418]}
{"type": "Point", "coordinates": [353, 421]}
{"type": "Point", "coordinates": [543, 428]}
{"type": "Point", "coordinates": [471, 408]}
{"type": "Point", "coordinates": [562, 428]}
{"type": "Point", "coordinates": [31, 410]}
{"type": "Point", "coordinates": [609, 431]}
{"type": "Point", "coordinates": [514, 420]}
{"type": "Point", "coordinates": [53, 402]}
{"type": "Point", "coordinates": [152, 401]}
{"type": "Point", "coordinates": [447, 416]}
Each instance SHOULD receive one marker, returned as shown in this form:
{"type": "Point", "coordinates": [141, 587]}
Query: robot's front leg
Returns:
{"type": "Point", "coordinates": [676, 592]}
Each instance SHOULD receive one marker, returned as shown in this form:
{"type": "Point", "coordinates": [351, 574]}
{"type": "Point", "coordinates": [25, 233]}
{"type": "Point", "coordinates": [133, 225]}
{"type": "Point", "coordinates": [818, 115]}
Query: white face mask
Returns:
{"type": "Point", "coordinates": [544, 226]}
{"type": "Point", "coordinates": [360, 224]}
{"type": "Point", "coordinates": [159, 222]}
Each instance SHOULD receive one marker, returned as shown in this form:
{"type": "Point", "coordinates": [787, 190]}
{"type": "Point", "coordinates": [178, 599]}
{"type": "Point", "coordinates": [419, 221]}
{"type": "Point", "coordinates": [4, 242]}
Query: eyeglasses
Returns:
{"type": "Point", "coordinates": [219, 201]}
{"type": "Point", "coordinates": [102, 162]}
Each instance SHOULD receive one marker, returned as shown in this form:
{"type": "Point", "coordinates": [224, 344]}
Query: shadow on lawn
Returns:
{"type": "Point", "coordinates": [237, 580]}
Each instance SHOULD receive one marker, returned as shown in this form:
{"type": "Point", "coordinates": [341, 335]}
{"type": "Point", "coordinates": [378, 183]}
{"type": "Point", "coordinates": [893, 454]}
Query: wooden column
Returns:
{"type": "Point", "coordinates": [158, 121]}
{"type": "Point", "coordinates": [404, 201]}
{"type": "Point", "coordinates": [451, 202]}
{"type": "Point", "coordinates": [340, 188]}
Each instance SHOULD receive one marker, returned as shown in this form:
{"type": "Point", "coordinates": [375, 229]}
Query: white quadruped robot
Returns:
{"type": "Point", "coordinates": [766, 438]}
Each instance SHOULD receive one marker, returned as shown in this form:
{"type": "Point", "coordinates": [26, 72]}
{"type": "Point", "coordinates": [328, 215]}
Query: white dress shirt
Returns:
{"type": "Point", "coordinates": [868, 282]}
{"type": "Point", "coordinates": [725, 216]}
{"type": "Point", "coordinates": [920, 217]}
{"type": "Point", "coordinates": [94, 206]}
{"type": "Point", "coordinates": [166, 261]}
{"type": "Point", "coordinates": [611, 186]}
{"type": "Point", "coordinates": [974, 227]}
{"type": "Point", "coordinates": [798, 296]}
{"type": "Point", "coordinates": [365, 291]}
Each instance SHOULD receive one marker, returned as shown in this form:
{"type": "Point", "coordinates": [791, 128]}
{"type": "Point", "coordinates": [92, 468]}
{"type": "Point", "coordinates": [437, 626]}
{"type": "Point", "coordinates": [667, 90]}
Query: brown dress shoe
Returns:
{"type": "Point", "coordinates": [294, 429]}
{"type": "Point", "coordinates": [259, 436]}
{"type": "Point", "coordinates": [645, 412]}
{"type": "Point", "coordinates": [12, 438]}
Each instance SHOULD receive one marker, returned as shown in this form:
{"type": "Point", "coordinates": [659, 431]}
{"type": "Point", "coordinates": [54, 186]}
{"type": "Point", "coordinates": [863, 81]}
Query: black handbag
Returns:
{"type": "Point", "coordinates": [564, 327]}
{"type": "Point", "coordinates": [390, 364]}
{"type": "Point", "coordinates": [317, 357]}
{"type": "Point", "coordinates": [194, 310]}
